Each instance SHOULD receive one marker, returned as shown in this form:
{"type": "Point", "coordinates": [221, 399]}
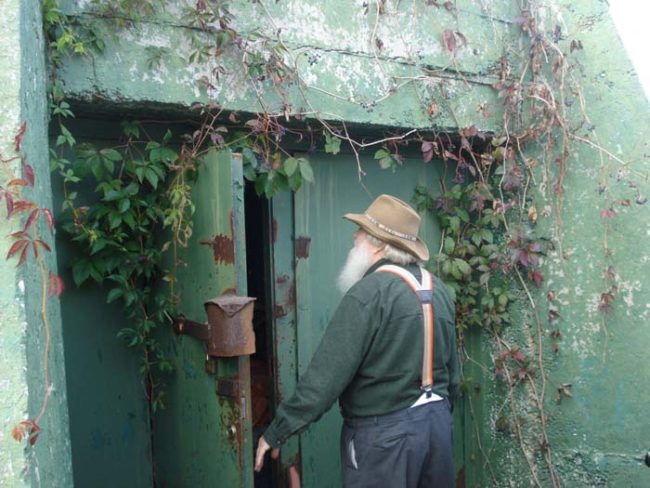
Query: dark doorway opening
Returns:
{"type": "Point", "coordinates": [258, 272]}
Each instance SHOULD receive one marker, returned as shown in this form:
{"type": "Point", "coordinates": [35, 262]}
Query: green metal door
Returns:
{"type": "Point", "coordinates": [310, 246]}
{"type": "Point", "coordinates": [203, 437]}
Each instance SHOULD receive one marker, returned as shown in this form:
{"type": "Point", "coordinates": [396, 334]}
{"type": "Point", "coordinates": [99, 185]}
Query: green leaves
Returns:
{"type": "Point", "coordinates": [159, 153]}
{"type": "Point", "coordinates": [301, 164]}
{"type": "Point", "coordinates": [474, 260]}
{"type": "Point", "coordinates": [387, 160]}
{"type": "Point", "coordinates": [110, 154]}
{"type": "Point", "coordinates": [332, 143]}
{"type": "Point", "coordinates": [131, 128]}
{"type": "Point", "coordinates": [65, 137]}
{"type": "Point", "coordinates": [457, 268]}
{"type": "Point", "coordinates": [114, 294]}
{"type": "Point", "coordinates": [290, 166]}
{"type": "Point", "coordinates": [62, 109]}
{"type": "Point", "coordinates": [449, 245]}
{"type": "Point", "coordinates": [290, 174]}
{"type": "Point", "coordinates": [137, 194]}
{"type": "Point", "coordinates": [482, 235]}
{"type": "Point", "coordinates": [306, 170]}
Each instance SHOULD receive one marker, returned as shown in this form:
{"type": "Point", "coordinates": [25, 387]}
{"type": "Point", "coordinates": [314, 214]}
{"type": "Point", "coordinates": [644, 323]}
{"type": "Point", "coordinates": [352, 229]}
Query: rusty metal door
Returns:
{"type": "Point", "coordinates": [203, 437]}
{"type": "Point", "coordinates": [311, 241]}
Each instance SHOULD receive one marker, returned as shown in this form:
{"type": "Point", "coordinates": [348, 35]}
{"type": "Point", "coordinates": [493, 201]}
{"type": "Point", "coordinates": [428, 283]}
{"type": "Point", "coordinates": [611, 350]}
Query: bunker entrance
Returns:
{"type": "Point", "coordinates": [258, 271]}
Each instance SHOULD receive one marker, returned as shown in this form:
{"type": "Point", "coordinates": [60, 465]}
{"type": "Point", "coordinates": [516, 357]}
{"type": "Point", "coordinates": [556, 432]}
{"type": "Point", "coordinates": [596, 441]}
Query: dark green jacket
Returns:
{"type": "Point", "coordinates": [370, 356]}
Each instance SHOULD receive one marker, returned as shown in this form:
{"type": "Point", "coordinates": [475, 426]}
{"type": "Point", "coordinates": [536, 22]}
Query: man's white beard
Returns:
{"type": "Point", "coordinates": [357, 263]}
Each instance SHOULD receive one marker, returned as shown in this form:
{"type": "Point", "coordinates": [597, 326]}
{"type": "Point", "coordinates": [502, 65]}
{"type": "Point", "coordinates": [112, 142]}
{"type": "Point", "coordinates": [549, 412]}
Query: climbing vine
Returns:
{"type": "Point", "coordinates": [491, 254]}
{"type": "Point", "coordinates": [140, 205]}
{"type": "Point", "coordinates": [30, 243]}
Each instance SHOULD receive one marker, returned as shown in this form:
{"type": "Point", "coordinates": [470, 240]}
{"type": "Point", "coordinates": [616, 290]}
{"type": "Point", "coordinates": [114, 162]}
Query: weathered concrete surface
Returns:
{"type": "Point", "coordinates": [22, 336]}
{"type": "Point", "coordinates": [603, 432]}
{"type": "Point", "coordinates": [343, 75]}
{"type": "Point", "coordinates": [13, 384]}
{"type": "Point", "coordinates": [598, 437]}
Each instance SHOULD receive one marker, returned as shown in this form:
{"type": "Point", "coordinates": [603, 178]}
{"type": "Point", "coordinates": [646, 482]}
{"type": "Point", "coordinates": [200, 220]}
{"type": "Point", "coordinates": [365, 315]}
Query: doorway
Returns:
{"type": "Point", "coordinates": [258, 273]}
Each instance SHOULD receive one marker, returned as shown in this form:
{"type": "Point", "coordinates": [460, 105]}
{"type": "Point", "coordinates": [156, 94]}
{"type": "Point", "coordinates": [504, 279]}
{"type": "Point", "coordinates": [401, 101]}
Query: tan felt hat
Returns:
{"type": "Point", "coordinates": [395, 222]}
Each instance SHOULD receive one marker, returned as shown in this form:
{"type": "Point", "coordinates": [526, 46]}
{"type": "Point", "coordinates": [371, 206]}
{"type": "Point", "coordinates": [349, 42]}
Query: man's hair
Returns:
{"type": "Point", "coordinates": [391, 252]}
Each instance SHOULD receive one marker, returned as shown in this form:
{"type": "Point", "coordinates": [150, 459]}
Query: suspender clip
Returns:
{"type": "Point", "coordinates": [425, 296]}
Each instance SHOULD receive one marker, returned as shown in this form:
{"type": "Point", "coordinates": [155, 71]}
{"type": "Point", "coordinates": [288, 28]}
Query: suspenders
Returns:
{"type": "Point", "coordinates": [424, 292]}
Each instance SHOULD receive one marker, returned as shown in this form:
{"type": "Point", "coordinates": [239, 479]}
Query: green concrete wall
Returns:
{"type": "Point", "coordinates": [13, 404]}
{"type": "Point", "coordinates": [598, 435]}
{"type": "Point", "coordinates": [23, 335]}
{"type": "Point", "coordinates": [329, 42]}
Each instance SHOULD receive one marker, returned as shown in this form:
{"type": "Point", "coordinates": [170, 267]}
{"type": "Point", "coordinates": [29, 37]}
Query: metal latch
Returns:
{"type": "Point", "coordinates": [183, 325]}
{"type": "Point", "coordinates": [229, 329]}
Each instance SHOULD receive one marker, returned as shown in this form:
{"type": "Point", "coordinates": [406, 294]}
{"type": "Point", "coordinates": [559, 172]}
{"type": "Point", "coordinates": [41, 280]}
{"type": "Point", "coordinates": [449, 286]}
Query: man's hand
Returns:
{"type": "Point", "coordinates": [262, 447]}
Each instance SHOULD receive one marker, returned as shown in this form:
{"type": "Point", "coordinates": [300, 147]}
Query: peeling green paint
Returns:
{"type": "Point", "coordinates": [349, 79]}
{"type": "Point", "coordinates": [598, 437]}
{"type": "Point", "coordinates": [22, 338]}
{"type": "Point", "coordinates": [13, 403]}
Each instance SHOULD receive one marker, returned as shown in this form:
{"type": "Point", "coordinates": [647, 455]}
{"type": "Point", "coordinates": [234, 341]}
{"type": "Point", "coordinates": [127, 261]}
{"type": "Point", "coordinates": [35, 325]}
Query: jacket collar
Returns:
{"type": "Point", "coordinates": [375, 266]}
{"type": "Point", "coordinates": [410, 267]}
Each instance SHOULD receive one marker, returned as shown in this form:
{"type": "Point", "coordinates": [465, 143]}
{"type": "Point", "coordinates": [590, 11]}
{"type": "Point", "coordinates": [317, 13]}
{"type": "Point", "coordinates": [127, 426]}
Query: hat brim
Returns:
{"type": "Point", "coordinates": [418, 248]}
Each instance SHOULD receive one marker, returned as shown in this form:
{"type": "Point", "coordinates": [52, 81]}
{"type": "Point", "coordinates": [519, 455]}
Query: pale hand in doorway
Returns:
{"type": "Point", "coordinates": [262, 447]}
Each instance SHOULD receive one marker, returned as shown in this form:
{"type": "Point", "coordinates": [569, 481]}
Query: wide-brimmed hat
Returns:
{"type": "Point", "coordinates": [395, 222]}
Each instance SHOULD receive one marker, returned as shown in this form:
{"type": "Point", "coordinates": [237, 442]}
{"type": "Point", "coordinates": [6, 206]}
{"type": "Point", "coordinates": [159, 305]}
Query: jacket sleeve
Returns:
{"type": "Point", "coordinates": [332, 367]}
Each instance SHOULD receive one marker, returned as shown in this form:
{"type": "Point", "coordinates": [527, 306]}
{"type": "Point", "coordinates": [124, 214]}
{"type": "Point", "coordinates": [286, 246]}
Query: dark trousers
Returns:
{"type": "Point", "coordinates": [411, 448]}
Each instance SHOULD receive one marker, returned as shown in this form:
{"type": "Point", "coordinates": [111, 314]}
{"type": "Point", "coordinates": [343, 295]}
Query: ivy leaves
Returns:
{"type": "Point", "coordinates": [294, 166]}
{"type": "Point", "coordinates": [131, 193]}
{"type": "Point", "coordinates": [274, 174]}
{"type": "Point", "coordinates": [473, 262]}
{"type": "Point", "coordinates": [387, 160]}
{"type": "Point", "coordinates": [332, 144]}
{"type": "Point", "coordinates": [289, 174]}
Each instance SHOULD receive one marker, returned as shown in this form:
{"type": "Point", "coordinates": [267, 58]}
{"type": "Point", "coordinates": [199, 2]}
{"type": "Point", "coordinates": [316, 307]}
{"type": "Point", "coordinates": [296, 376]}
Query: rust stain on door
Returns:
{"type": "Point", "coordinates": [302, 247]}
{"type": "Point", "coordinates": [460, 478]}
{"type": "Point", "coordinates": [288, 290]}
{"type": "Point", "coordinates": [223, 248]}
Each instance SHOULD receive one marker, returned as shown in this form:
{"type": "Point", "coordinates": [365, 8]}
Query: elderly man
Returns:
{"type": "Point", "coordinates": [388, 356]}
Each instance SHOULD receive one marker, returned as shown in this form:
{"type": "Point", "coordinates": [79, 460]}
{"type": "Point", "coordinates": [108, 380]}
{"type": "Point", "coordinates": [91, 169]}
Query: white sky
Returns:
{"type": "Point", "coordinates": [632, 19]}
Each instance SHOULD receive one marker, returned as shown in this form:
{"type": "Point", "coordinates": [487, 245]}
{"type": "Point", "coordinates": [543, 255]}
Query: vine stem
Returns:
{"type": "Point", "coordinates": [360, 172]}
{"type": "Point", "coordinates": [520, 437]}
{"type": "Point", "coordinates": [539, 398]}
{"type": "Point", "coordinates": [600, 148]}
{"type": "Point", "coordinates": [46, 350]}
